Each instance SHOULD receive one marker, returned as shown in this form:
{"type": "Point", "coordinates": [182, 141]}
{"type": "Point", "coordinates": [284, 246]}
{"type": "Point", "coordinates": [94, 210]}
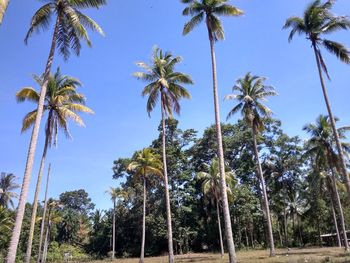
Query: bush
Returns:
{"type": "Point", "coordinates": [56, 253]}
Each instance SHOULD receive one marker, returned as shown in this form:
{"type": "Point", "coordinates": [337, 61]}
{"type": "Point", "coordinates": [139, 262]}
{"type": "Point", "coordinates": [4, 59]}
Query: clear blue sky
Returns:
{"type": "Point", "coordinates": [254, 42]}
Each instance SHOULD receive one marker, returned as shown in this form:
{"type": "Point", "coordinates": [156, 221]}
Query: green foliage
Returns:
{"type": "Point", "coordinates": [210, 11]}
{"type": "Point", "coordinates": [318, 21]}
{"type": "Point", "coordinates": [78, 201]}
{"type": "Point", "coordinates": [57, 253]}
{"type": "Point", "coordinates": [164, 82]}
{"type": "Point", "coordinates": [62, 102]}
{"type": "Point", "coordinates": [71, 24]}
{"type": "Point", "coordinates": [7, 187]}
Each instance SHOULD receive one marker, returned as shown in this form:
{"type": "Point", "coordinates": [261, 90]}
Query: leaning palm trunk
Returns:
{"type": "Point", "coordinates": [113, 234]}
{"type": "Point", "coordinates": [35, 202]}
{"type": "Point", "coordinates": [11, 255]}
{"type": "Point", "coordinates": [167, 197]}
{"type": "Point", "coordinates": [340, 208]}
{"type": "Point", "coordinates": [142, 256]}
{"type": "Point", "coordinates": [343, 169]}
{"type": "Point", "coordinates": [44, 216]}
{"type": "Point", "coordinates": [226, 210]}
{"type": "Point", "coordinates": [263, 188]}
{"type": "Point", "coordinates": [335, 222]}
{"type": "Point", "coordinates": [3, 7]}
{"type": "Point", "coordinates": [220, 231]}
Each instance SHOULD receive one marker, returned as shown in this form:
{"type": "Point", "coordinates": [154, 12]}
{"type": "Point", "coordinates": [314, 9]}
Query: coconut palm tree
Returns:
{"type": "Point", "coordinates": [3, 7]}
{"type": "Point", "coordinates": [42, 227]}
{"type": "Point", "coordinates": [62, 102]}
{"type": "Point", "coordinates": [165, 84]}
{"type": "Point", "coordinates": [53, 218]}
{"type": "Point", "coordinates": [321, 145]}
{"type": "Point", "coordinates": [211, 188]}
{"type": "Point", "coordinates": [210, 11]}
{"type": "Point", "coordinates": [251, 90]}
{"type": "Point", "coordinates": [317, 22]}
{"type": "Point", "coordinates": [7, 187]}
{"type": "Point", "coordinates": [146, 164]}
{"type": "Point", "coordinates": [69, 29]}
{"type": "Point", "coordinates": [115, 193]}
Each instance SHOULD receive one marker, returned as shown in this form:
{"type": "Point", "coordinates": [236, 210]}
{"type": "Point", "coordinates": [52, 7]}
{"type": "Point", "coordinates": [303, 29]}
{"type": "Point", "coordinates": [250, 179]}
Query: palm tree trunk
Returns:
{"type": "Point", "coordinates": [285, 225]}
{"type": "Point", "coordinates": [265, 199]}
{"type": "Point", "coordinates": [279, 233]}
{"type": "Point", "coordinates": [3, 7]}
{"type": "Point", "coordinates": [46, 242]}
{"type": "Point", "coordinates": [220, 231]}
{"type": "Point", "coordinates": [35, 202]}
{"type": "Point", "coordinates": [11, 255]}
{"type": "Point", "coordinates": [226, 210]}
{"type": "Point", "coordinates": [335, 222]}
{"type": "Point", "coordinates": [142, 257]}
{"type": "Point", "coordinates": [340, 208]}
{"type": "Point", "coordinates": [44, 217]}
{"type": "Point", "coordinates": [113, 234]}
{"type": "Point", "coordinates": [331, 116]}
{"type": "Point", "coordinates": [167, 197]}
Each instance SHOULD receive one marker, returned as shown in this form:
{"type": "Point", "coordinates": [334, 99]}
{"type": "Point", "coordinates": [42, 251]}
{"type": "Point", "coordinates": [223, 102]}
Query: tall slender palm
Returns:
{"type": "Point", "coordinates": [317, 22]}
{"type": "Point", "coordinates": [62, 102]}
{"type": "Point", "coordinates": [250, 92]}
{"type": "Point", "coordinates": [53, 217]}
{"type": "Point", "coordinates": [42, 227]}
{"type": "Point", "coordinates": [164, 83]}
{"type": "Point", "coordinates": [210, 10]}
{"type": "Point", "coordinates": [115, 193]}
{"type": "Point", "coordinates": [70, 27]}
{"type": "Point", "coordinates": [7, 187]}
{"type": "Point", "coordinates": [146, 164]}
{"type": "Point", "coordinates": [321, 145]}
{"type": "Point", "coordinates": [211, 188]}
{"type": "Point", "coordinates": [3, 7]}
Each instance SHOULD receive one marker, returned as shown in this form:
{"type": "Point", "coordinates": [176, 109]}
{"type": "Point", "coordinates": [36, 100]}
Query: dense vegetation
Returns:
{"type": "Point", "coordinates": [301, 200]}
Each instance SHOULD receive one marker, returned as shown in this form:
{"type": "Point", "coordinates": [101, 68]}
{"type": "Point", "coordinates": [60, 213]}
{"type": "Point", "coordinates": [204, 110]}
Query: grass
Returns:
{"type": "Point", "coordinates": [309, 255]}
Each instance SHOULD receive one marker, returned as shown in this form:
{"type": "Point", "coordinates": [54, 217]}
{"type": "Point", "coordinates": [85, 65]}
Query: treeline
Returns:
{"type": "Point", "coordinates": [297, 184]}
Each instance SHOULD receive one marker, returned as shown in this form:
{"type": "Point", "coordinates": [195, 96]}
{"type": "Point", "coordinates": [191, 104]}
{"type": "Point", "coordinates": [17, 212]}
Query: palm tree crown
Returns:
{"type": "Point", "coordinates": [164, 82]}
{"type": "Point", "coordinates": [62, 103]}
{"type": "Point", "coordinates": [316, 22]}
{"type": "Point", "coordinates": [251, 92]}
{"type": "Point", "coordinates": [71, 23]}
{"type": "Point", "coordinates": [146, 163]}
{"type": "Point", "coordinates": [321, 143]}
{"type": "Point", "coordinates": [7, 185]}
{"type": "Point", "coordinates": [209, 10]}
{"type": "Point", "coordinates": [211, 181]}
{"type": "Point", "coordinates": [116, 193]}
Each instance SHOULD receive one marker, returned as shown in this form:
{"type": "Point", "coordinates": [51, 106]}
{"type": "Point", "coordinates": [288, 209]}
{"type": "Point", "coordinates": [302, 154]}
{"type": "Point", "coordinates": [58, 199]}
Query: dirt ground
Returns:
{"type": "Point", "coordinates": [309, 255]}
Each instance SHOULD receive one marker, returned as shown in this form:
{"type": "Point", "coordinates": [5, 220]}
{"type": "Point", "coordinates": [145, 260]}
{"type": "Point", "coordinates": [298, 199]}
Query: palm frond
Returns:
{"type": "Point", "coordinates": [89, 23]}
{"type": "Point", "coordinates": [27, 93]}
{"type": "Point", "coordinates": [297, 24]}
{"type": "Point", "coordinates": [88, 3]}
{"type": "Point", "coordinates": [3, 7]}
{"type": "Point", "coordinates": [79, 108]}
{"type": "Point", "coordinates": [337, 49]}
{"type": "Point", "coordinates": [29, 120]}
{"type": "Point", "coordinates": [217, 28]}
{"type": "Point", "coordinates": [144, 76]}
{"type": "Point", "coordinates": [335, 24]}
{"type": "Point", "coordinates": [234, 110]}
{"type": "Point", "coordinates": [227, 10]}
{"type": "Point", "coordinates": [40, 20]}
{"type": "Point", "coordinates": [190, 25]}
